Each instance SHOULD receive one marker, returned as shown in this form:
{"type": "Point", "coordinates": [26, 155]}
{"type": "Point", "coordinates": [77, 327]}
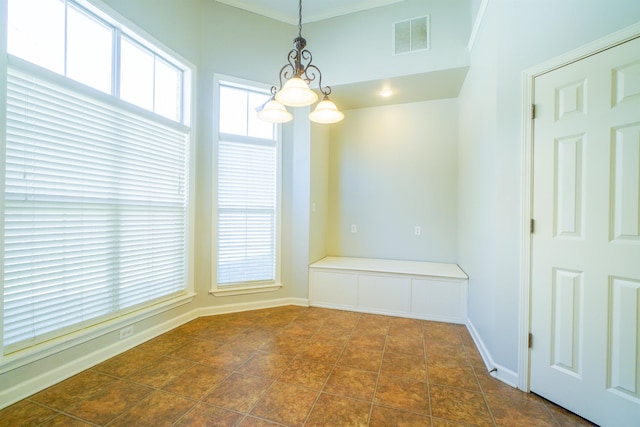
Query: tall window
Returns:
{"type": "Point", "coordinates": [248, 159]}
{"type": "Point", "coordinates": [96, 189]}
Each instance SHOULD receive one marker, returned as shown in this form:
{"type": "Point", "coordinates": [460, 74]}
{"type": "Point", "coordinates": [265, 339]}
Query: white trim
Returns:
{"type": "Point", "coordinates": [247, 306]}
{"type": "Point", "coordinates": [317, 14]}
{"type": "Point", "coordinates": [114, 18]}
{"type": "Point", "coordinates": [528, 87]}
{"type": "Point", "coordinates": [75, 366]}
{"type": "Point", "coordinates": [497, 371]}
{"type": "Point", "coordinates": [227, 291]}
{"type": "Point", "coordinates": [368, 310]}
{"type": "Point", "coordinates": [248, 288]}
{"type": "Point", "coordinates": [392, 266]}
{"type": "Point", "coordinates": [3, 138]}
{"type": "Point", "coordinates": [525, 249]}
{"type": "Point", "coordinates": [477, 23]}
{"type": "Point", "coordinates": [57, 345]}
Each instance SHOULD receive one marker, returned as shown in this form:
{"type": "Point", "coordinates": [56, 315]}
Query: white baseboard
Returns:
{"type": "Point", "coordinates": [75, 366]}
{"type": "Point", "coordinates": [358, 309]}
{"type": "Point", "coordinates": [497, 371]}
{"type": "Point", "coordinates": [430, 317]}
{"type": "Point", "coordinates": [246, 306]}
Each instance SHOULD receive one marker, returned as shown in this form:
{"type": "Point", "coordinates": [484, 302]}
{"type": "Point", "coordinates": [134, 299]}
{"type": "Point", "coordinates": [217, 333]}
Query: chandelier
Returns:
{"type": "Point", "coordinates": [298, 73]}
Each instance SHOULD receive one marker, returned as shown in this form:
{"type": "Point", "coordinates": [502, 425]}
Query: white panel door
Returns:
{"type": "Point", "coordinates": [585, 284]}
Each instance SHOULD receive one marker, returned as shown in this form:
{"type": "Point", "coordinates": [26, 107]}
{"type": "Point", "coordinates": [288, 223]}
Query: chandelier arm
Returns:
{"type": "Point", "coordinates": [305, 56]}
{"type": "Point", "coordinates": [310, 73]}
{"type": "Point", "coordinates": [286, 72]}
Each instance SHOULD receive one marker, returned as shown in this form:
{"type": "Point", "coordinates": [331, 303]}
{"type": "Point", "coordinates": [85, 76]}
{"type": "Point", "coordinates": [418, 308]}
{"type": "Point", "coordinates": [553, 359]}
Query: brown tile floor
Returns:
{"type": "Point", "coordinates": [292, 366]}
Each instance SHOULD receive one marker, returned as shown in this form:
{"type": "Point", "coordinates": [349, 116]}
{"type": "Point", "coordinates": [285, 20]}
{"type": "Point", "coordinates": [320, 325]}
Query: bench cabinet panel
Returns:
{"type": "Point", "coordinates": [335, 287]}
{"type": "Point", "coordinates": [429, 291]}
{"type": "Point", "coordinates": [442, 299]}
{"type": "Point", "coordinates": [385, 293]}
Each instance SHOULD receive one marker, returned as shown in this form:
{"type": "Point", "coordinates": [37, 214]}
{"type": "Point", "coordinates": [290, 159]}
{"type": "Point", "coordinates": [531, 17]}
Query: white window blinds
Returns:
{"type": "Point", "coordinates": [96, 200]}
{"type": "Point", "coordinates": [247, 189]}
{"type": "Point", "coordinates": [247, 177]}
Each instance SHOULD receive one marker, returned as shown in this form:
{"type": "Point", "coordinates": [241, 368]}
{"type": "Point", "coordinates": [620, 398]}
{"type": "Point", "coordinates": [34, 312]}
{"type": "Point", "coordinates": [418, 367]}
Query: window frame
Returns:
{"type": "Point", "coordinates": [245, 287]}
{"type": "Point", "coordinates": [123, 29]}
{"type": "Point", "coordinates": [102, 12]}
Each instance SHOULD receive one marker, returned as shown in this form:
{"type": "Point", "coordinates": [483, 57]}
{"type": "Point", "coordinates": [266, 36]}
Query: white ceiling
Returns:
{"type": "Point", "coordinates": [442, 84]}
{"type": "Point", "coordinates": [312, 10]}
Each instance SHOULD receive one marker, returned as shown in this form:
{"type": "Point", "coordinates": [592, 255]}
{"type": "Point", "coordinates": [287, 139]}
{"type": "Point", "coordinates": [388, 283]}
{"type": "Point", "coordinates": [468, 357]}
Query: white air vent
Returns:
{"type": "Point", "coordinates": [411, 35]}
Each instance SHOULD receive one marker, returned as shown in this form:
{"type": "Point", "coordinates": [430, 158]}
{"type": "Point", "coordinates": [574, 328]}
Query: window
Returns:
{"type": "Point", "coordinates": [248, 180]}
{"type": "Point", "coordinates": [74, 39]}
{"type": "Point", "coordinates": [96, 201]}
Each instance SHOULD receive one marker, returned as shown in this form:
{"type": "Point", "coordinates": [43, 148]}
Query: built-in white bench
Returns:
{"type": "Point", "coordinates": [422, 290]}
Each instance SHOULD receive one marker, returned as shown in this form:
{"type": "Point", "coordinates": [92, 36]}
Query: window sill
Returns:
{"type": "Point", "coordinates": [32, 354]}
{"type": "Point", "coordinates": [244, 290]}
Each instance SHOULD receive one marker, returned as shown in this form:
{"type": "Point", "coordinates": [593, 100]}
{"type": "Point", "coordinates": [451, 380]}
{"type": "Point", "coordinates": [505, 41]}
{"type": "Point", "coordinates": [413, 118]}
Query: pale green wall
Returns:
{"type": "Point", "coordinates": [451, 163]}
{"type": "Point", "coordinates": [391, 169]}
{"type": "Point", "coordinates": [216, 39]}
{"type": "Point", "coordinates": [515, 35]}
{"type": "Point", "coordinates": [173, 23]}
{"type": "Point", "coordinates": [233, 43]}
{"type": "Point", "coordinates": [359, 47]}
{"type": "Point", "coordinates": [185, 41]}
{"type": "Point", "coordinates": [319, 192]}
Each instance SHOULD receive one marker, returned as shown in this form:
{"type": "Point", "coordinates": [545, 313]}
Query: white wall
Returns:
{"type": "Point", "coordinates": [515, 35]}
{"type": "Point", "coordinates": [393, 168]}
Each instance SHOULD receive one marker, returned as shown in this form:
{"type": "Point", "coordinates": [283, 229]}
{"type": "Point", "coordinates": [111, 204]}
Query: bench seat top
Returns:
{"type": "Point", "coordinates": [413, 268]}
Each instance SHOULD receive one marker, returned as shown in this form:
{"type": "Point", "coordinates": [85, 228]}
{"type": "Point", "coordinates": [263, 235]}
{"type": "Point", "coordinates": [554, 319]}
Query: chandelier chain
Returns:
{"type": "Point", "coordinates": [300, 18]}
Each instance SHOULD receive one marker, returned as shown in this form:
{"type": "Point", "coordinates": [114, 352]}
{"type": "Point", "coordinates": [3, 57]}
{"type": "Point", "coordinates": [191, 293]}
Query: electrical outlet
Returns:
{"type": "Point", "coordinates": [354, 228]}
{"type": "Point", "coordinates": [417, 230]}
{"type": "Point", "coordinates": [126, 332]}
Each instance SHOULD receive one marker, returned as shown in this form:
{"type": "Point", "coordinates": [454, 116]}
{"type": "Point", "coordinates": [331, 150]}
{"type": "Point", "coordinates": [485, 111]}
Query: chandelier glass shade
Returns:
{"type": "Point", "coordinates": [296, 93]}
{"type": "Point", "coordinates": [326, 112]}
{"type": "Point", "coordinates": [274, 112]}
{"type": "Point", "coordinates": [294, 90]}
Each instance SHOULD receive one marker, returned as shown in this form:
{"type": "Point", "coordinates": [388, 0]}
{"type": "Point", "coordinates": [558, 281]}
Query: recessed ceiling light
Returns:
{"type": "Point", "coordinates": [385, 93]}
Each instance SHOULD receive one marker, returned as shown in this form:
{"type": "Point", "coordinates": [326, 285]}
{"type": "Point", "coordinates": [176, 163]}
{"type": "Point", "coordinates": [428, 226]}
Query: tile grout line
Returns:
{"type": "Point", "coordinates": [426, 368]}
{"type": "Point", "coordinates": [199, 400]}
{"type": "Point", "coordinates": [273, 381]}
{"type": "Point", "coordinates": [475, 375]}
{"type": "Point", "coordinates": [375, 389]}
{"type": "Point", "coordinates": [324, 384]}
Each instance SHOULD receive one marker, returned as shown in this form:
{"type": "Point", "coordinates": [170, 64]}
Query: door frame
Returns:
{"type": "Point", "coordinates": [528, 88]}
